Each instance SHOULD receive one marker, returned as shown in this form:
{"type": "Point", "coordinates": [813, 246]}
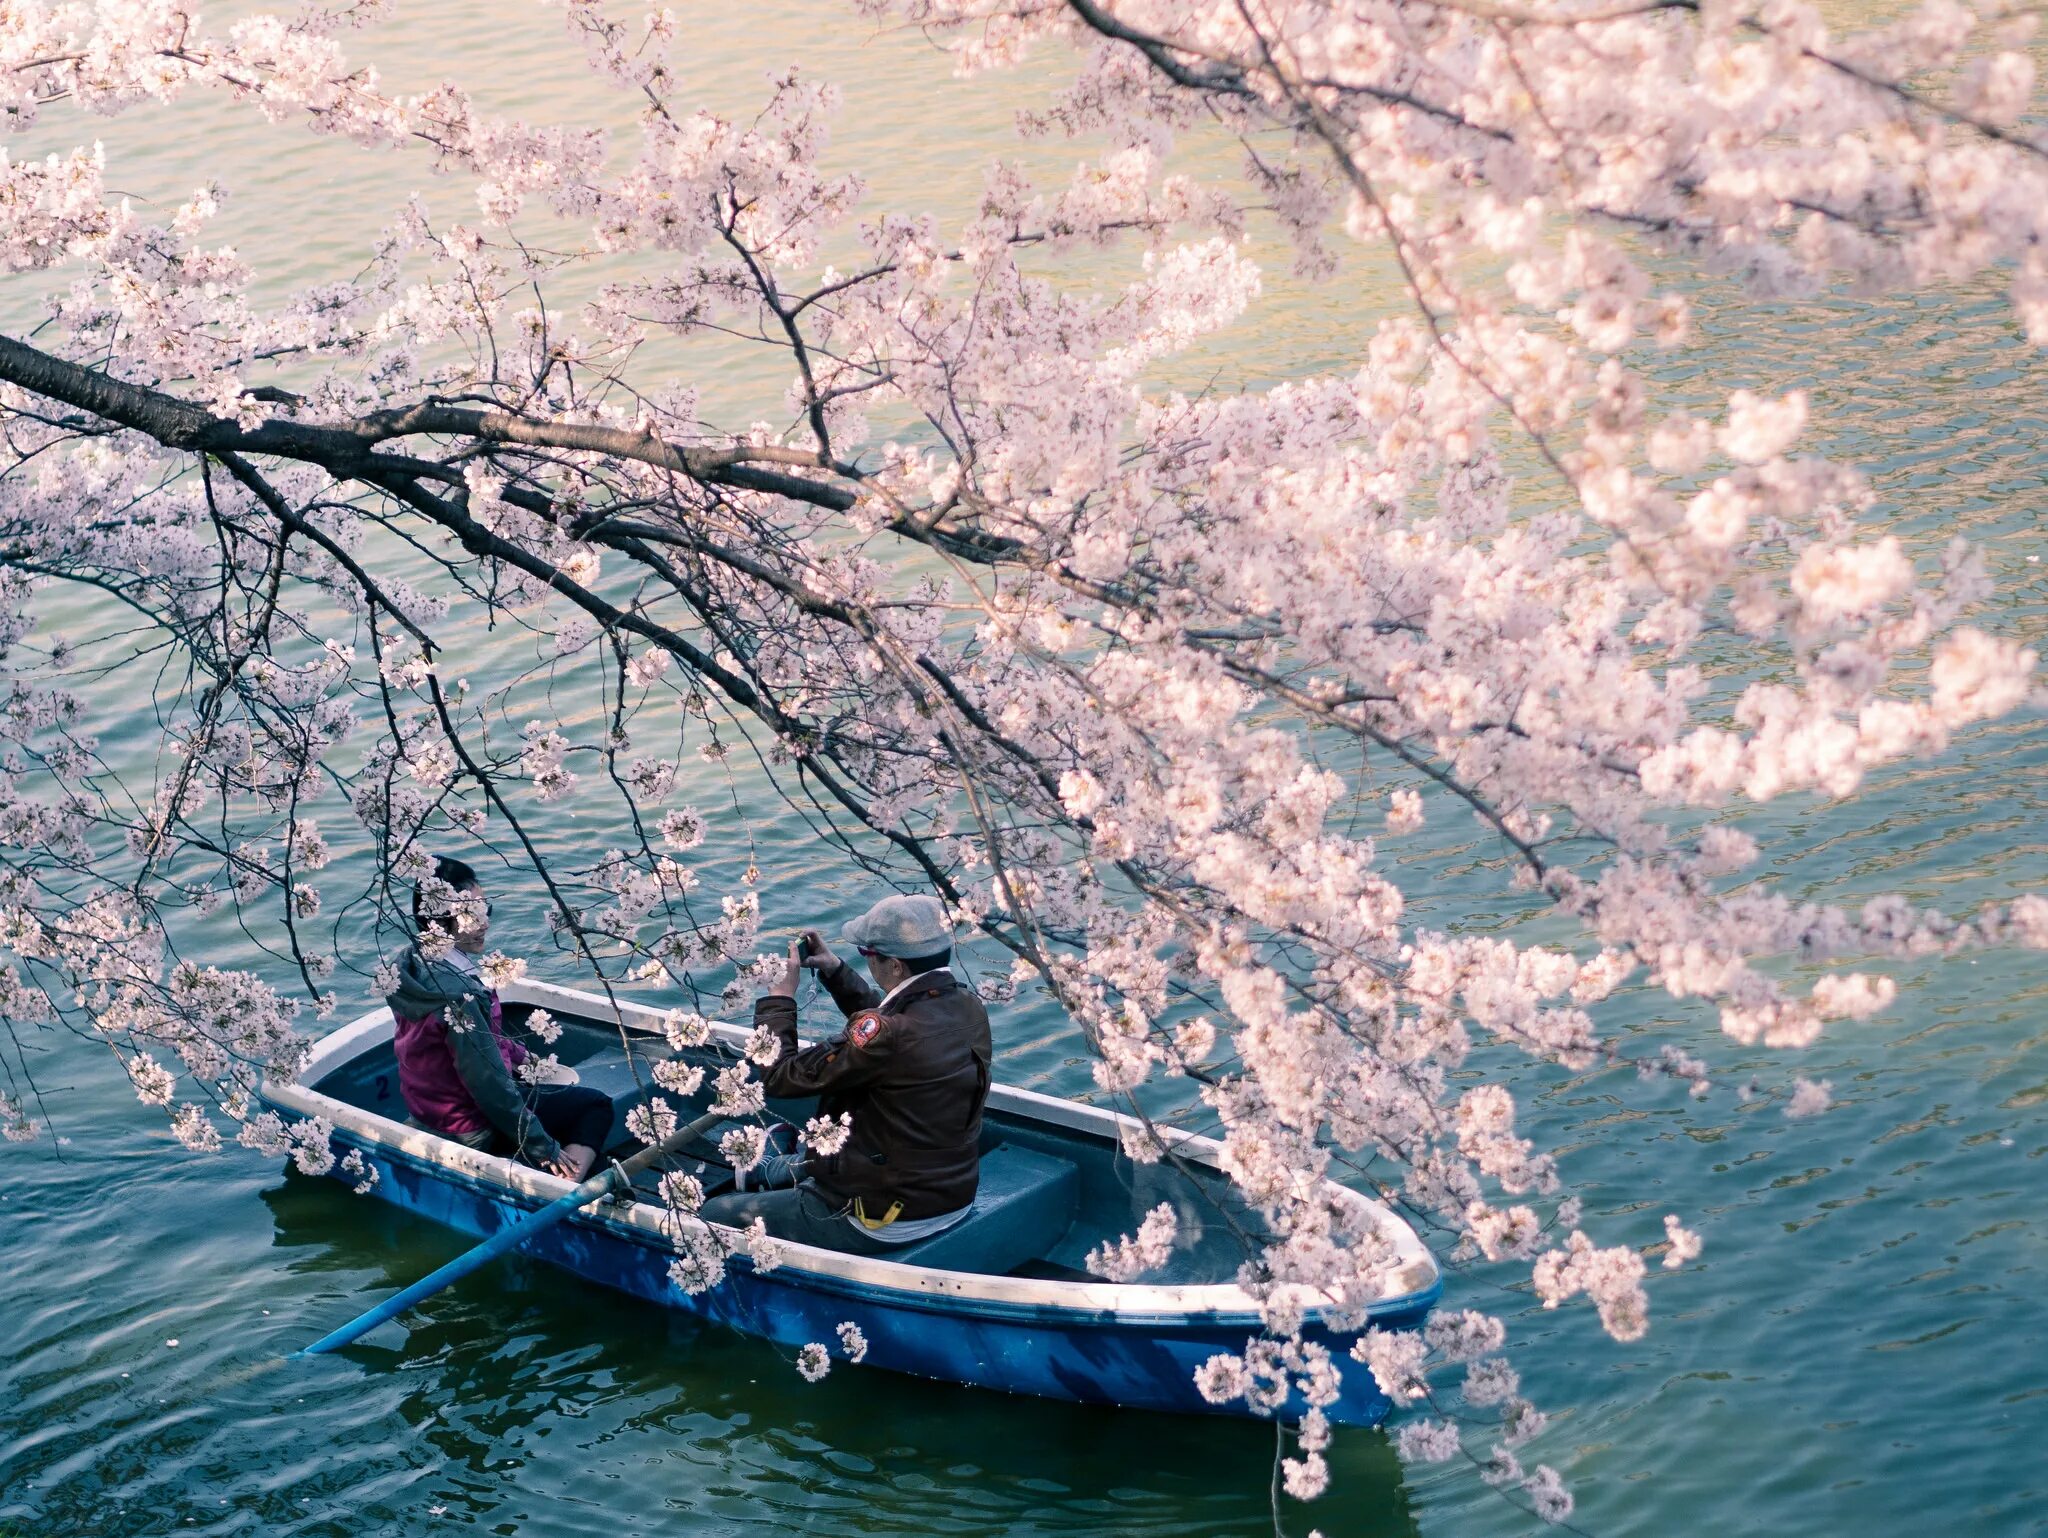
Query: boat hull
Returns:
{"type": "Point", "coordinates": [1049, 1352]}
{"type": "Point", "coordinates": [1133, 1345]}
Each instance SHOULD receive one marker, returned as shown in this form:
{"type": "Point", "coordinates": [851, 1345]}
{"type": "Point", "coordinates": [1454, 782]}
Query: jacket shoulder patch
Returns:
{"type": "Point", "coordinates": [864, 1027]}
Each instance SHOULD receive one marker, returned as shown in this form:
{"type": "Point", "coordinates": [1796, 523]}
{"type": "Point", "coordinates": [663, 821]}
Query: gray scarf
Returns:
{"type": "Point", "coordinates": [428, 987]}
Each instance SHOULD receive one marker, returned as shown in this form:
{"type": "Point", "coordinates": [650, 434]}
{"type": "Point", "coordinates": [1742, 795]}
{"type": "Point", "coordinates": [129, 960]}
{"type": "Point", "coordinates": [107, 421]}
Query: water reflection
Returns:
{"type": "Point", "coordinates": [645, 1416]}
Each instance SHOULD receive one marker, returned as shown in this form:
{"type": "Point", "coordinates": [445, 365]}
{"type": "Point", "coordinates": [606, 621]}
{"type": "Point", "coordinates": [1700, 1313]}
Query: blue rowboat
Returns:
{"type": "Point", "coordinates": [1000, 1300]}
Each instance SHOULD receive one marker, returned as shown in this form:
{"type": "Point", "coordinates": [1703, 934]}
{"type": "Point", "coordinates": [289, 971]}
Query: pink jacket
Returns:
{"type": "Point", "coordinates": [434, 1091]}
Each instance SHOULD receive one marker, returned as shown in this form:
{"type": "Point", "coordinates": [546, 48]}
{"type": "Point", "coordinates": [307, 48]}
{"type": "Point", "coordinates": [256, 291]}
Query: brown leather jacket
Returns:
{"type": "Point", "coordinates": [914, 1078]}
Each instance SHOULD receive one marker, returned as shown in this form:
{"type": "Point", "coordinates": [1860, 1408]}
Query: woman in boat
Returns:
{"type": "Point", "coordinates": [456, 1065]}
{"type": "Point", "coordinates": [911, 1070]}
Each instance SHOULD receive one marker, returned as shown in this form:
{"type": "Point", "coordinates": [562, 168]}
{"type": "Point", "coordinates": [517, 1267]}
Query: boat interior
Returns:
{"type": "Point", "coordinates": [1048, 1195]}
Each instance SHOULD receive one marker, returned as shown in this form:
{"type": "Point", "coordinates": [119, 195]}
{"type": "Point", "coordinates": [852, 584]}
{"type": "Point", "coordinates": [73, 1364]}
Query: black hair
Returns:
{"type": "Point", "coordinates": [931, 963]}
{"type": "Point", "coordinates": [455, 873]}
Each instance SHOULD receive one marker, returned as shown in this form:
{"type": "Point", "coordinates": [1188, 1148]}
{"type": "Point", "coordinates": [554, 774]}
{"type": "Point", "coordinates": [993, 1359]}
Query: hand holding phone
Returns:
{"type": "Point", "coordinates": [814, 953]}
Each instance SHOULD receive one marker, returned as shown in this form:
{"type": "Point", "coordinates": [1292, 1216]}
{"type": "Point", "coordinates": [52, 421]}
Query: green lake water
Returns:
{"type": "Point", "coordinates": [1862, 1349]}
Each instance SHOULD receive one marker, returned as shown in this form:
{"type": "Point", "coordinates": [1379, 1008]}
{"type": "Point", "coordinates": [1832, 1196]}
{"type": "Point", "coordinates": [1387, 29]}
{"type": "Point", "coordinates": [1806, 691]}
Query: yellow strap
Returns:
{"type": "Point", "coordinates": [871, 1224]}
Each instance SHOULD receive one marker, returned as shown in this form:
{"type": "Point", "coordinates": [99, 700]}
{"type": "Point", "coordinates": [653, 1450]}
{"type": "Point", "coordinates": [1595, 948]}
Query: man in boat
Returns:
{"type": "Point", "coordinates": [911, 1069]}
{"type": "Point", "coordinates": [456, 1066]}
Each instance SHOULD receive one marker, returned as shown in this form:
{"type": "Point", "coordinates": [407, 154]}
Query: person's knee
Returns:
{"type": "Point", "coordinates": [781, 1165]}
{"type": "Point", "coordinates": [578, 1102]}
{"type": "Point", "coordinates": [581, 1115]}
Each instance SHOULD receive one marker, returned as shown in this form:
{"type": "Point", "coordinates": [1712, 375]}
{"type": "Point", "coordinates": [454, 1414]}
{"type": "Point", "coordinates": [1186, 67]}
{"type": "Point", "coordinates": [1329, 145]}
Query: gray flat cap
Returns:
{"type": "Point", "coordinates": [902, 927]}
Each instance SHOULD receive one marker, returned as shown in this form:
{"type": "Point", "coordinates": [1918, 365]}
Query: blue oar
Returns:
{"type": "Point", "coordinates": [613, 1177]}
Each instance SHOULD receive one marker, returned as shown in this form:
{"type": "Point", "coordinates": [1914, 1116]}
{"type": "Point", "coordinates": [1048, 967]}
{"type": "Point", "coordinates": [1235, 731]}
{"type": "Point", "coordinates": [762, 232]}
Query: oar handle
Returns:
{"type": "Point", "coordinates": [514, 1234]}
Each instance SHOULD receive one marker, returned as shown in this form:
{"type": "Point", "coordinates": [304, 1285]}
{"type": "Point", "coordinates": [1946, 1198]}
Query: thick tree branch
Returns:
{"type": "Point", "coordinates": [349, 450]}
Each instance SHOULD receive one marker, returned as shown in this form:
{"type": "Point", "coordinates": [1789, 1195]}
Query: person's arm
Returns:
{"type": "Point", "coordinates": [849, 990]}
{"type": "Point", "coordinates": [849, 1060]}
{"type": "Point", "coordinates": [481, 1067]}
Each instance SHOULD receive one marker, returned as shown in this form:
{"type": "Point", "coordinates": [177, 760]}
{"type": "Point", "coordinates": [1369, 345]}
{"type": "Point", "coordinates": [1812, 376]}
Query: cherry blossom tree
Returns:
{"type": "Point", "coordinates": [1109, 667]}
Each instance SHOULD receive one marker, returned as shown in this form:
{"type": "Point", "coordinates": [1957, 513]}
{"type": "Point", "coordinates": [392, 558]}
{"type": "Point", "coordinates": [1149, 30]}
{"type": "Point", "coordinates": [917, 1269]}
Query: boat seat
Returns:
{"type": "Point", "coordinates": [625, 1082]}
{"type": "Point", "coordinates": [1022, 1208]}
{"type": "Point", "coordinates": [611, 1072]}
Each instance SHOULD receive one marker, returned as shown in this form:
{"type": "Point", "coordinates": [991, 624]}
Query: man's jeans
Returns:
{"type": "Point", "coordinates": [781, 1165]}
{"type": "Point", "coordinates": [802, 1214]}
{"type": "Point", "coordinates": [795, 1209]}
